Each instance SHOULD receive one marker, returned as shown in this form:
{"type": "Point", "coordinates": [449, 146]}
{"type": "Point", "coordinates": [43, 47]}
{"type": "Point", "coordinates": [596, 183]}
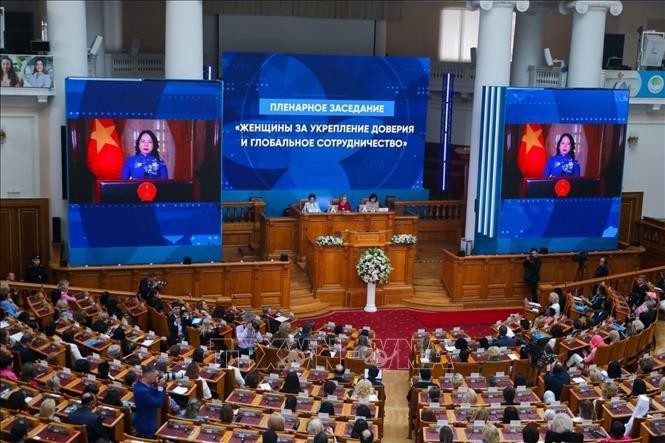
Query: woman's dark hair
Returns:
{"type": "Point", "coordinates": [358, 427]}
{"type": "Point", "coordinates": [103, 370]}
{"type": "Point", "coordinates": [130, 378]}
{"type": "Point", "coordinates": [510, 414]}
{"type": "Point", "coordinates": [372, 371]}
{"type": "Point", "coordinates": [530, 433]}
{"type": "Point", "coordinates": [509, 395]}
{"type": "Point", "coordinates": [571, 153]}
{"type": "Point", "coordinates": [617, 430]}
{"type": "Point", "coordinates": [198, 355]}
{"type": "Point", "coordinates": [639, 387]}
{"type": "Point", "coordinates": [525, 324]}
{"type": "Point", "coordinates": [614, 369]}
{"type": "Point", "coordinates": [292, 383]}
{"type": "Point", "coordinates": [19, 431]}
{"type": "Point", "coordinates": [338, 329]}
{"type": "Point", "coordinates": [446, 434]}
{"type": "Point", "coordinates": [291, 403]}
{"type": "Point", "coordinates": [484, 343]}
{"type": "Point", "coordinates": [461, 343]}
{"type": "Point", "coordinates": [373, 196]}
{"type": "Point", "coordinates": [226, 413]}
{"type": "Point", "coordinates": [556, 331]}
{"type": "Point", "coordinates": [310, 196]}
{"type": "Point", "coordinates": [434, 394]}
{"type": "Point", "coordinates": [6, 360]}
{"type": "Point", "coordinates": [113, 397]}
{"type": "Point", "coordinates": [13, 77]}
{"type": "Point", "coordinates": [16, 401]}
{"type": "Point", "coordinates": [520, 380]}
{"type": "Point", "coordinates": [363, 411]}
{"type": "Point", "coordinates": [155, 143]}
{"type": "Point", "coordinates": [329, 387]}
{"type": "Point", "coordinates": [104, 299]}
{"type": "Point", "coordinates": [252, 380]}
{"type": "Point", "coordinates": [464, 355]}
{"type": "Point", "coordinates": [218, 312]}
{"type": "Point", "coordinates": [327, 408]}
{"type": "Point", "coordinates": [37, 60]}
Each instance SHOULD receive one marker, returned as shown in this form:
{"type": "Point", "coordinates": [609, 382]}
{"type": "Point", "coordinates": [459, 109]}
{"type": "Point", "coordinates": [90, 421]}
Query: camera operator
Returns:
{"type": "Point", "coordinates": [248, 334]}
{"type": "Point", "coordinates": [178, 320]}
{"type": "Point", "coordinates": [146, 286]}
{"type": "Point", "coordinates": [532, 273]}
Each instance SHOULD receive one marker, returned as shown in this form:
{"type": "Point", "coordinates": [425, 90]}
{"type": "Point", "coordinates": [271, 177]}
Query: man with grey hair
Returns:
{"type": "Point", "coordinates": [114, 351]}
{"type": "Point", "coordinates": [561, 430]}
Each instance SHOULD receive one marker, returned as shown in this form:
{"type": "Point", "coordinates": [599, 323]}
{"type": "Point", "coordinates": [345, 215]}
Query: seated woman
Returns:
{"type": "Point", "coordinates": [596, 342]}
{"type": "Point", "coordinates": [344, 205]}
{"type": "Point", "coordinates": [363, 390]}
{"type": "Point", "coordinates": [311, 206]}
{"type": "Point", "coordinates": [372, 203]}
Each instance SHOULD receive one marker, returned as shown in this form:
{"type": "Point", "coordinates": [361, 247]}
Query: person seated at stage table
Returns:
{"type": "Point", "coordinates": [146, 163]}
{"type": "Point", "coordinates": [311, 206]}
{"type": "Point", "coordinates": [344, 205]}
{"type": "Point", "coordinates": [563, 164]}
{"type": "Point", "coordinates": [372, 204]}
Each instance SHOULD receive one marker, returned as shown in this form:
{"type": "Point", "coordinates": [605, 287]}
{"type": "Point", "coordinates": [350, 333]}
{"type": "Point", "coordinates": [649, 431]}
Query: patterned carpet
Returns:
{"type": "Point", "coordinates": [395, 326]}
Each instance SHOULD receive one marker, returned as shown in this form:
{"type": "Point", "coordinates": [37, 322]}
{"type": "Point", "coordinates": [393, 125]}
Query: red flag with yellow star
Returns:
{"type": "Point", "coordinates": [105, 157]}
{"type": "Point", "coordinates": [531, 156]}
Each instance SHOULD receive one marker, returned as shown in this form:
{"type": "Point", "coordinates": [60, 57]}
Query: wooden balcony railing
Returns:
{"type": "Point", "coordinates": [438, 220]}
{"type": "Point", "coordinates": [242, 222]}
{"type": "Point", "coordinates": [652, 237]}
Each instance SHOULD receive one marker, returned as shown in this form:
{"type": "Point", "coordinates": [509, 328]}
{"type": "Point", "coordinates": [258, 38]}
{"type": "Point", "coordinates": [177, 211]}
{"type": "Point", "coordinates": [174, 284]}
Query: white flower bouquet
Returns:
{"type": "Point", "coordinates": [329, 240]}
{"type": "Point", "coordinates": [404, 239]}
{"type": "Point", "coordinates": [374, 266]}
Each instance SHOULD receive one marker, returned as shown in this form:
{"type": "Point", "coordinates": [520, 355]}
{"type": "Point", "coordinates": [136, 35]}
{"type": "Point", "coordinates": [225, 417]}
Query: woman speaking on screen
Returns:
{"type": "Point", "coordinates": [145, 164]}
{"type": "Point", "coordinates": [563, 164]}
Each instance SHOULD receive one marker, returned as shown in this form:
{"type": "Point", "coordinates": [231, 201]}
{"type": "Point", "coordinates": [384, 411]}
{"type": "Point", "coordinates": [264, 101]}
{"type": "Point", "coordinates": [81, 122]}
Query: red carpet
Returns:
{"type": "Point", "coordinates": [395, 326]}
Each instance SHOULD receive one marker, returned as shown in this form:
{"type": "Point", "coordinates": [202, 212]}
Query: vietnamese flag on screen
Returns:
{"type": "Point", "coordinates": [531, 157]}
{"type": "Point", "coordinates": [105, 157]}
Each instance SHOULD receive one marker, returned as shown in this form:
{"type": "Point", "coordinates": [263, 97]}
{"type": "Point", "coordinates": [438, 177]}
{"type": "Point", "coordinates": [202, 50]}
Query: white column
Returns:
{"type": "Point", "coordinates": [492, 69]}
{"type": "Point", "coordinates": [184, 39]}
{"type": "Point", "coordinates": [113, 25]}
{"type": "Point", "coordinates": [67, 35]}
{"type": "Point", "coordinates": [587, 39]}
{"type": "Point", "coordinates": [528, 46]}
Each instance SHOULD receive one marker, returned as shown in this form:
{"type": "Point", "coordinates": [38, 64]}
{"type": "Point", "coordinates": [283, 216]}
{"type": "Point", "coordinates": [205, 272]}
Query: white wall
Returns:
{"type": "Point", "coordinates": [644, 168]}
{"type": "Point", "coordinates": [296, 35]}
{"type": "Point", "coordinates": [20, 172]}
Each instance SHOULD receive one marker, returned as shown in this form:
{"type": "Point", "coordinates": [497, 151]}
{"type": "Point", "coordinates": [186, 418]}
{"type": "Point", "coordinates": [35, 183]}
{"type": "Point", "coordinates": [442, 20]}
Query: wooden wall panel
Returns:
{"type": "Point", "coordinates": [248, 282]}
{"type": "Point", "coordinates": [499, 279]}
{"type": "Point", "coordinates": [24, 232]}
{"type": "Point", "coordinates": [631, 213]}
{"type": "Point", "coordinates": [278, 236]}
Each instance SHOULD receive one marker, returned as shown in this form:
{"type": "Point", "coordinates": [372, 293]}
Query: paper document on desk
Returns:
{"type": "Point", "coordinates": [181, 390]}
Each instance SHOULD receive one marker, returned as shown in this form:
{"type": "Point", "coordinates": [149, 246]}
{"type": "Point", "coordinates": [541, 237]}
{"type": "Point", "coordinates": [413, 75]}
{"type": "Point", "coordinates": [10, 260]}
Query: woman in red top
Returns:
{"type": "Point", "coordinates": [344, 205]}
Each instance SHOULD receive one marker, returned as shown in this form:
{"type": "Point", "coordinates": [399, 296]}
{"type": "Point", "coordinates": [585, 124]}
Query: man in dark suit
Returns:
{"type": "Point", "coordinates": [555, 378]}
{"type": "Point", "coordinates": [503, 339]}
{"type": "Point", "coordinates": [83, 415]}
{"type": "Point", "coordinates": [424, 382]}
{"type": "Point", "coordinates": [373, 374]}
{"type": "Point", "coordinates": [23, 348]}
{"type": "Point", "coordinates": [36, 272]}
{"type": "Point", "coordinates": [532, 273]}
{"type": "Point", "coordinates": [177, 324]}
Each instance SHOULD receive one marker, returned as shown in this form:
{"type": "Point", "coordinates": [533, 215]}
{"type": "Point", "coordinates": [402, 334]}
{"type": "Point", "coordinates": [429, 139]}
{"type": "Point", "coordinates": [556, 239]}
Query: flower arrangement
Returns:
{"type": "Point", "coordinates": [404, 239]}
{"type": "Point", "coordinates": [329, 240]}
{"type": "Point", "coordinates": [374, 266]}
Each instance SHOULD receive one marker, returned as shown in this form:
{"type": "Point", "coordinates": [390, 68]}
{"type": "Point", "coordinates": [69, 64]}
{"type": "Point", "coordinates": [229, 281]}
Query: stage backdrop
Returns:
{"type": "Point", "coordinates": [550, 171]}
{"type": "Point", "coordinates": [295, 124]}
{"type": "Point", "coordinates": [144, 171]}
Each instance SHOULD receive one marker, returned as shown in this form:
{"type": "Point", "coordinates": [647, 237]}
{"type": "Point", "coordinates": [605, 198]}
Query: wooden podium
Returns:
{"type": "Point", "coordinates": [332, 269]}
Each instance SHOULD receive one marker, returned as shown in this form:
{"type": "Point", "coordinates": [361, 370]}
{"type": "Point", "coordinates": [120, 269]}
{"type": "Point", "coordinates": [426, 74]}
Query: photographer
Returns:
{"type": "Point", "coordinates": [532, 273]}
{"type": "Point", "coordinates": [146, 285]}
{"type": "Point", "coordinates": [248, 334]}
{"type": "Point", "coordinates": [148, 397]}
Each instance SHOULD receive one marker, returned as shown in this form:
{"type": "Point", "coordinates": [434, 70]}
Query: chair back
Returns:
{"type": "Point", "coordinates": [619, 350]}
{"type": "Point", "coordinates": [466, 369]}
{"type": "Point", "coordinates": [193, 336]}
{"type": "Point", "coordinates": [520, 366]}
{"type": "Point", "coordinates": [492, 367]}
{"type": "Point", "coordinates": [603, 353]}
